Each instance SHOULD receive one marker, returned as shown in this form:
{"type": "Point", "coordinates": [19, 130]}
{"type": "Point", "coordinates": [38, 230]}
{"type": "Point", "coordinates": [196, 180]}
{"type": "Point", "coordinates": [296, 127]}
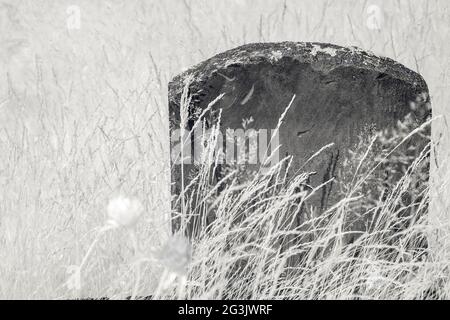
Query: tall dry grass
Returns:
{"type": "Point", "coordinates": [260, 238]}
{"type": "Point", "coordinates": [84, 119]}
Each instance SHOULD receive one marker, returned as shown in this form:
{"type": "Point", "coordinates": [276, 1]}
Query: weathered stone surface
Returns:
{"type": "Point", "coordinates": [341, 93]}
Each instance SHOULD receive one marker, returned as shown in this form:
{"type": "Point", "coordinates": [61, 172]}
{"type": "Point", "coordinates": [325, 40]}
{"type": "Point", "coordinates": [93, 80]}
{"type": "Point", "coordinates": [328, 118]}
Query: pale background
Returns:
{"type": "Point", "coordinates": [83, 111]}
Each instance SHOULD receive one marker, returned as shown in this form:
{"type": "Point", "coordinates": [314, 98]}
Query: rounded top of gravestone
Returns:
{"type": "Point", "coordinates": [323, 57]}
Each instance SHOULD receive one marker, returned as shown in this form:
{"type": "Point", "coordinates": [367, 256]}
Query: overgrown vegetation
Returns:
{"type": "Point", "coordinates": [256, 237]}
{"type": "Point", "coordinates": [84, 119]}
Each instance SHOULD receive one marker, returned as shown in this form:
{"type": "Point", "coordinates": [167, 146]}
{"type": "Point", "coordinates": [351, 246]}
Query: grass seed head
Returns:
{"type": "Point", "coordinates": [124, 212]}
{"type": "Point", "coordinates": [175, 255]}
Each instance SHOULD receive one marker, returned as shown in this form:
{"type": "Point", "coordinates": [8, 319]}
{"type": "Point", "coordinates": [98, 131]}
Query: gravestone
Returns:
{"type": "Point", "coordinates": [340, 93]}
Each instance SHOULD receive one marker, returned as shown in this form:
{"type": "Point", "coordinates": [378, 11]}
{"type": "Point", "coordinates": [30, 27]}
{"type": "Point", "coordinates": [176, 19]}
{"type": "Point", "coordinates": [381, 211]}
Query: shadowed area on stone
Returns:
{"type": "Point", "coordinates": [341, 94]}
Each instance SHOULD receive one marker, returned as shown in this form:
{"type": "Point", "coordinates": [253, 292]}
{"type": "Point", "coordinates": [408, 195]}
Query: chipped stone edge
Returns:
{"type": "Point", "coordinates": [321, 56]}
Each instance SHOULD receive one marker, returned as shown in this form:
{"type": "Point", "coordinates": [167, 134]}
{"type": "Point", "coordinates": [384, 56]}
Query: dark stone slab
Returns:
{"type": "Point", "coordinates": [341, 93]}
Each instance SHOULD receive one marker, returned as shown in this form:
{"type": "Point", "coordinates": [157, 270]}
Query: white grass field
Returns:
{"type": "Point", "coordinates": [83, 119]}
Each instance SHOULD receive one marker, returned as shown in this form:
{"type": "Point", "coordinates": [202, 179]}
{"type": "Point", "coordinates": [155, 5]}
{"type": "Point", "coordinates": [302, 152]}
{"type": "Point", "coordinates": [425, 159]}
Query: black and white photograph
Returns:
{"type": "Point", "coordinates": [203, 150]}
